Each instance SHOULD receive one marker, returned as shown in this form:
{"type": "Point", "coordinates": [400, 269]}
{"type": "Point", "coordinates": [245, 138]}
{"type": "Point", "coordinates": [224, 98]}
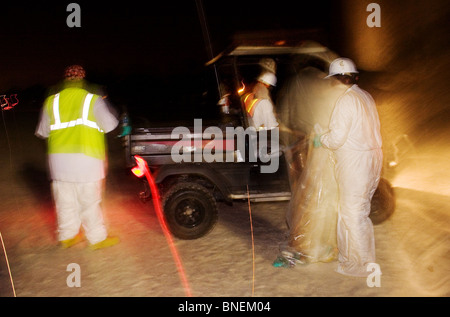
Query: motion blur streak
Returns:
{"type": "Point", "coordinates": [143, 167]}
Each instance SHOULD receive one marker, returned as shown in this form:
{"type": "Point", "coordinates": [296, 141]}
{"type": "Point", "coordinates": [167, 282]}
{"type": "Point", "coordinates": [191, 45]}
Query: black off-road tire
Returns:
{"type": "Point", "coordinates": [383, 202]}
{"type": "Point", "coordinates": [190, 210]}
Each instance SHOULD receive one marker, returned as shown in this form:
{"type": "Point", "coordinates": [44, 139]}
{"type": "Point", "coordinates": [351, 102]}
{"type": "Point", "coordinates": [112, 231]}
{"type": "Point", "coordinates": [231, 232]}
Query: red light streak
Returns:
{"type": "Point", "coordinates": [142, 169]}
{"type": "Point", "coordinates": [8, 103]}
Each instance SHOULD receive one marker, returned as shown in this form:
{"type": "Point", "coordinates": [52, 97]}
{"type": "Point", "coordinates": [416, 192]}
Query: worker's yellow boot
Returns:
{"type": "Point", "coordinates": [65, 244]}
{"type": "Point", "coordinates": [108, 242]}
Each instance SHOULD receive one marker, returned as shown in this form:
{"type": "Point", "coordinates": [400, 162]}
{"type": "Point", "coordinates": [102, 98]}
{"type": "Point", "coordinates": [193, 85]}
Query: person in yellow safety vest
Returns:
{"type": "Point", "coordinates": [259, 105]}
{"type": "Point", "coordinates": [74, 122]}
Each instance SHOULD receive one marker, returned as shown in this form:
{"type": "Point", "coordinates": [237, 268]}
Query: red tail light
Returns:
{"type": "Point", "coordinates": [139, 170]}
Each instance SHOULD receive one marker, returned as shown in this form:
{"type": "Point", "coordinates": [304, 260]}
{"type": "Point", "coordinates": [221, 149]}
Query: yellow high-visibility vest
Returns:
{"type": "Point", "coordinates": [73, 128]}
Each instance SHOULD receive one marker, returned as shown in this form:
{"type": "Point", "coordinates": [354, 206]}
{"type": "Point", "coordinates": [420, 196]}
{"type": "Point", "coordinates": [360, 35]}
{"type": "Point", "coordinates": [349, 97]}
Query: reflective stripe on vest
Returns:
{"type": "Point", "coordinates": [250, 101]}
{"type": "Point", "coordinates": [83, 120]}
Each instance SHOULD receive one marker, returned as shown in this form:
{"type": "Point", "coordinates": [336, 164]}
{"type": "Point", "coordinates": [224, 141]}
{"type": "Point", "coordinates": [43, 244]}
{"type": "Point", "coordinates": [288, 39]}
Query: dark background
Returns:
{"type": "Point", "coordinates": [120, 38]}
{"type": "Point", "coordinates": [137, 49]}
{"type": "Point", "coordinates": [143, 50]}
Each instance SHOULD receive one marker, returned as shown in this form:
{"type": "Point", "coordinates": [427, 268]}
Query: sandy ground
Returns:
{"type": "Point", "coordinates": [412, 246]}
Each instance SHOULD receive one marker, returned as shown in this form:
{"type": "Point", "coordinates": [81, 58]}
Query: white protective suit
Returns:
{"type": "Point", "coordinates": [354, 136]}
{"type": "Point", "coordinates": [264, 116]}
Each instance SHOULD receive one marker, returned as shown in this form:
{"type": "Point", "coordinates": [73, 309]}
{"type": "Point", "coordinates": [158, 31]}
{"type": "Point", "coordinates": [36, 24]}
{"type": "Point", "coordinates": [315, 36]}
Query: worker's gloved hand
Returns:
{"type": "Point", "coordinates": [316, 141]}
{"type": "Point", "coordinates": [125, 131]}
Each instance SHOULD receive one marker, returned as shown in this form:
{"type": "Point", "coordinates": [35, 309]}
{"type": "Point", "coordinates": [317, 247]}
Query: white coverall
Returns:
{"type": "Point", "coordinates": [263, 115]}
{"type": "Point", "coordinates": [354, 136]}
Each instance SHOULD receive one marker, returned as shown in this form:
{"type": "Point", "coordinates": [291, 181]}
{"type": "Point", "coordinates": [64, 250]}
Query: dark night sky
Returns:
{"type": "Point", "coordinates": [141, 50]}
{"type": "Point", "coordinates": [121, 38]}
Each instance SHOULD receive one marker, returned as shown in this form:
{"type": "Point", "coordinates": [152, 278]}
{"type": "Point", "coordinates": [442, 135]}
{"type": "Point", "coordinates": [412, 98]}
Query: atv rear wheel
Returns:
{"type": "Point", "coordinates": [383, 202]}
{"type": "Point", "coordinates": [190, 210]}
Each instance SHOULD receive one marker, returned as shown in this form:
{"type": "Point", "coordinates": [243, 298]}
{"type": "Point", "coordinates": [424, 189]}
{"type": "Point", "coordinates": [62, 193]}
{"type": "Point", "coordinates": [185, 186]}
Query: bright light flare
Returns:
{"type": "Point", "coordinates": [137, 171]}
{"type": "Point", "coordinates": [142, 168]}
{"type": "Point", "coordinates": [393, 164]}
{"type": "Point", "coordinates": [242, 89]}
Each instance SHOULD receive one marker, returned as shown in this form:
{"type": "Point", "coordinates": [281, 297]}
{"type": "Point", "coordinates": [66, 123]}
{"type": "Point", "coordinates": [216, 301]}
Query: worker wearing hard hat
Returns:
{"type": "Point", "coordinates": [354, 136]}
{"type": "Point", "coordinates": [75, 122]}
{"type": "Point", "coordinates": [259, 105]}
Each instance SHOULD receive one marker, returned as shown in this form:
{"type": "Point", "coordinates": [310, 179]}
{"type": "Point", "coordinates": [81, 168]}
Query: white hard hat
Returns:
{"type": "Point", "coordinates": [268, 78]}
{"type": "Point", "coordinates": [342, 66]}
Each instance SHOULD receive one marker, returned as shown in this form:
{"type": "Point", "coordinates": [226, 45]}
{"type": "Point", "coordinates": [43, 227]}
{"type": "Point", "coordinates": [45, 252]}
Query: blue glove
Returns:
{"type": "Point", "coordinates": [316, 141]}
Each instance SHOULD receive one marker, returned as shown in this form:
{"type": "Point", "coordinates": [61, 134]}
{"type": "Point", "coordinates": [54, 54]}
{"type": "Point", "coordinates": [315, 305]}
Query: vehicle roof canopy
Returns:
{"type": "Point", "coordinates": [247, 44]}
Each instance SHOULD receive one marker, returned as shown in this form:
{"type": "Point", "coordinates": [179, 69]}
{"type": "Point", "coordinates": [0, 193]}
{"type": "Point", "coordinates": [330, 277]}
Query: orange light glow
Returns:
{"type": "Point", "coordinates": [241, 90]}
